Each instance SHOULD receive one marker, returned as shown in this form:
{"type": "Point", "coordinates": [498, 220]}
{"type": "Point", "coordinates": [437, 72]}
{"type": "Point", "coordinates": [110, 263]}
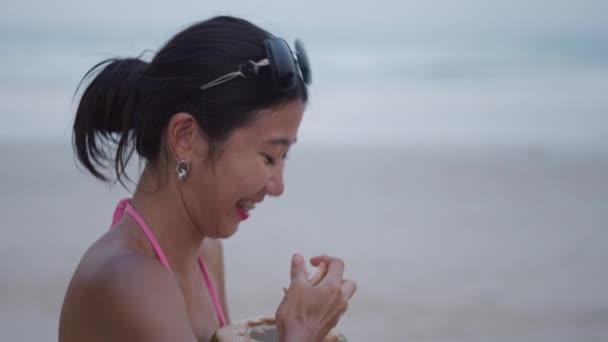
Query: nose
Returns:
{"type": "Point", "coordinates": [275, 185]}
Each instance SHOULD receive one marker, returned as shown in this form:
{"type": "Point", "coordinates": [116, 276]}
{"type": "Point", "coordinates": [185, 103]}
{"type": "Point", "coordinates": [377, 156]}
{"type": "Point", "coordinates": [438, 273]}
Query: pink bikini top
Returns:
{"type": "Point", "coordinates": [125, 204]}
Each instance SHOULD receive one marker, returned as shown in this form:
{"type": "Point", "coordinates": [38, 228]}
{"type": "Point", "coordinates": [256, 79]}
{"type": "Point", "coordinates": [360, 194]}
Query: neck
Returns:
{"type": "Point", "coordinates": [163, 210]}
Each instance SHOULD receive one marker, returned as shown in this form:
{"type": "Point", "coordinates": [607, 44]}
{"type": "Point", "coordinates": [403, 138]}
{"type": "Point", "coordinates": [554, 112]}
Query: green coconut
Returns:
{"type": "Point", "coordinates": [260, 330]}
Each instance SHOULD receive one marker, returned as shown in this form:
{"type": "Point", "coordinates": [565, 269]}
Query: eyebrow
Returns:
{"type": "Point", "coordinates": [281, 141]}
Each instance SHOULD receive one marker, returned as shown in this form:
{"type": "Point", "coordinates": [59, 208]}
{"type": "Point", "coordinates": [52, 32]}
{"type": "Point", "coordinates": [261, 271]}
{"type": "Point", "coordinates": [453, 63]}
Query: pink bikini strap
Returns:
{"type": "Point", "coordinates": [125, 204]}
{"type": "Point", "coordinates": [214, 296]}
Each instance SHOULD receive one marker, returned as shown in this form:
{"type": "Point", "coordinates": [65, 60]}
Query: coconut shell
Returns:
{"type": "Point", "coordinates": [259, 330]}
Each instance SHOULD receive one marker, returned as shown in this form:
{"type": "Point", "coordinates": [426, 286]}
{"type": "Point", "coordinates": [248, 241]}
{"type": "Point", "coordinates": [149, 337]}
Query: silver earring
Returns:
{"type": "Point", "coordinates": [182, 168]}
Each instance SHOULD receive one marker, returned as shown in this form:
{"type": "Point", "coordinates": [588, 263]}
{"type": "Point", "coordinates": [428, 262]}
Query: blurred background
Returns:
{"type": "Point", "coordinates": [455, 154]}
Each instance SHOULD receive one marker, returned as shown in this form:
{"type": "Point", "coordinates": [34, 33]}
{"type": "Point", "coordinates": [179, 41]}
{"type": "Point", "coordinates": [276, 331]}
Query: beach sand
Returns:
{"type": "Point", "coordinates": [446, 243]}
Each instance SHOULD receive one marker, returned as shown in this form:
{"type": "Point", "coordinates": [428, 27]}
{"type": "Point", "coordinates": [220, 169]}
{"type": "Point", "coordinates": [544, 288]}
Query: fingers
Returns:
{"type": "Point", "coordinates": [298, 268]}
{"type": "Point", "coordinates": [335, 266]}
{"type": "Point", "coordinates": [316, 279]}
{"type": "Point", "coordinates": [315, 261]}
{"type": "Point", "coordinates": [349, 288]}
{"type": "Point", "coordinates": [343, 310]}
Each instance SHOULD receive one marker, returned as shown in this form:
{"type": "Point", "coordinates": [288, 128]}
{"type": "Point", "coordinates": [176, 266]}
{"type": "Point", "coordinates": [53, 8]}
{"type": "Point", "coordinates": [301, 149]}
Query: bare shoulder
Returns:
{"type": "Point", "coordinates": [123, 296]}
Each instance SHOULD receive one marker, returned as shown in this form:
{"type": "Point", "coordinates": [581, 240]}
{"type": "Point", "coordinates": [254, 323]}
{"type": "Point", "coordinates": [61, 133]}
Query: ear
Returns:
{"type": "Point", "coordinates": [182, 133]}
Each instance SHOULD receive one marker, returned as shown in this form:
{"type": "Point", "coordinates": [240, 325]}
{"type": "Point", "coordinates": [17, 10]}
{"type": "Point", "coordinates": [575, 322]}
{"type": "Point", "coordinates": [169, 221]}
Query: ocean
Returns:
{"type": "Point", "coordinates": [390, 89]}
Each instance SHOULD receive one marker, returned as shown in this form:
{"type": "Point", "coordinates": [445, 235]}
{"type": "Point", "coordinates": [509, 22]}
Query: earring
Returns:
{"type": "Point", "coordinates": [182, 168]}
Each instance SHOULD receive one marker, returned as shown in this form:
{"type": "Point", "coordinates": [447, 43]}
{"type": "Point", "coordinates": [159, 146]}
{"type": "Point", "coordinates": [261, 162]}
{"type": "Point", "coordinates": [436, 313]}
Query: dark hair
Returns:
{"type": "Point", "coordinates": [128, 104]}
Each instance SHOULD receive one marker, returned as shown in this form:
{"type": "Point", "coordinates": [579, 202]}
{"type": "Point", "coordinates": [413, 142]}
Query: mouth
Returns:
{"type": "Point", "coordinates": [244, 207]}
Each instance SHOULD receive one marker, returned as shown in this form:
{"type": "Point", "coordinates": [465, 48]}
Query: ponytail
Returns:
{"type": "Point", "coordinates": [106, 116]}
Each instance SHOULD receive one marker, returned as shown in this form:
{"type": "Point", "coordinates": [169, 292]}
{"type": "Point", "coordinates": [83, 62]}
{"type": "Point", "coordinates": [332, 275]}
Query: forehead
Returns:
{"type": "Point", "coordinates": [278, 122]}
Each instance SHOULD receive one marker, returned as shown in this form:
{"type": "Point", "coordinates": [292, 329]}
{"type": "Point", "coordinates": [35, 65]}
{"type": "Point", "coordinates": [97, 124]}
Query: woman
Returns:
{"type": "Point", "coordinates": [213, 116]}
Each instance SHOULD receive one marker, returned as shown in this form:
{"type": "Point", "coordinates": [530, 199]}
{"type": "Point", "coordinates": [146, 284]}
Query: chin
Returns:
{"type": "Point", "coordinates": [226, 232]}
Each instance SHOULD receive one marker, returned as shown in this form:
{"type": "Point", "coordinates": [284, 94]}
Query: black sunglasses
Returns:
{"type": "Point", "coordinates": [286, 68]}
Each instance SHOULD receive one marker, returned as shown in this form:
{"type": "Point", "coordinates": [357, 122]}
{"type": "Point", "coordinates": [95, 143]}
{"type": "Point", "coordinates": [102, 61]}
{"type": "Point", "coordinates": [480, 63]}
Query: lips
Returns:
{"type": "Point", "coordinates": [243, 207]}
{"type": "Point", "coordinates": [242, 213]}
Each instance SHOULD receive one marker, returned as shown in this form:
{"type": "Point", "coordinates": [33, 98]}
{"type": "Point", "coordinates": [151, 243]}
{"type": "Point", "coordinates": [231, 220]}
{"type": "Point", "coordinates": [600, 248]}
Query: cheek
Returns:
{"type": "Point", "coordinates": [248, 179]}
{"type": "Point", "coordinates": [253, 180]}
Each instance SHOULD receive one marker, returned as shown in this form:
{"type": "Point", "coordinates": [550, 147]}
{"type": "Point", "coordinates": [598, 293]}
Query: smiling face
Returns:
{"type": "Point", "coordinates": [221, 193]}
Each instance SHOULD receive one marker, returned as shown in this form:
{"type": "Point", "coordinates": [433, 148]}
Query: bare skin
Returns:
{"type": "Point", "coordinates": [121, 268]}
{"type": "Point", "coordinates": [121, 292]}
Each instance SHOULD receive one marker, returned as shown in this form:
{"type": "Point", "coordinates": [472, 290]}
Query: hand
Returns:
{"type": "Point", "coordinates": [312, 307]}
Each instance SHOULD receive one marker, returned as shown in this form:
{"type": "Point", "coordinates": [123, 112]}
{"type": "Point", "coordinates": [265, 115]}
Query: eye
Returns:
{"type": "Point", "coordinates": [269, 159]}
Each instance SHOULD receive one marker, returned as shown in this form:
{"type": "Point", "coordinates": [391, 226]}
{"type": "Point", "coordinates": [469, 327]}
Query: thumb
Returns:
{"type": "Point", "coordinates": [298, 268]}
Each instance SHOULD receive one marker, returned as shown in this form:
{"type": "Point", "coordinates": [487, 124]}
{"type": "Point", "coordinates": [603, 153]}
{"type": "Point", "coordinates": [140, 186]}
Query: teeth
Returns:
{"type": "Point", "coordinates": [247, 205]}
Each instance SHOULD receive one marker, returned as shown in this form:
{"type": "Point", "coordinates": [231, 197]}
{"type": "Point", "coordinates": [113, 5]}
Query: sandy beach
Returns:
{"type": "Point", "coordinates": [446, 244]}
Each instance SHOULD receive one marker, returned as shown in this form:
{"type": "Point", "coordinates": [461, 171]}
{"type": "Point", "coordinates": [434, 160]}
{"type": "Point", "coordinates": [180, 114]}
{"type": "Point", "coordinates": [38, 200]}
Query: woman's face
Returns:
{"type": "Point", "coordinates": [219, 194]}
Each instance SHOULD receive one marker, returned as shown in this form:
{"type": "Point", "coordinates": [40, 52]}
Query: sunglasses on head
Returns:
{"type": "Point", "coordinates": [285, 67]}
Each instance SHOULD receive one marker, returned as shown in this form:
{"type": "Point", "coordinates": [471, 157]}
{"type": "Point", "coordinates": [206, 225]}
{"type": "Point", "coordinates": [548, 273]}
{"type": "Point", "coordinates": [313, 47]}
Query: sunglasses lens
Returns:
{"type": "Point", "coordinates": [303, 62]}
{"type": "Point", "coordinates": [282, 62]}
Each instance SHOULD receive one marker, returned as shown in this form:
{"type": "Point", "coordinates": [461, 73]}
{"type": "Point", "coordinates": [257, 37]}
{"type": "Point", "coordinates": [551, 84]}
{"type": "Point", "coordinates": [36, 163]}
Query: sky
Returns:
{"type": "Point", "coordinates": [380, 15]}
